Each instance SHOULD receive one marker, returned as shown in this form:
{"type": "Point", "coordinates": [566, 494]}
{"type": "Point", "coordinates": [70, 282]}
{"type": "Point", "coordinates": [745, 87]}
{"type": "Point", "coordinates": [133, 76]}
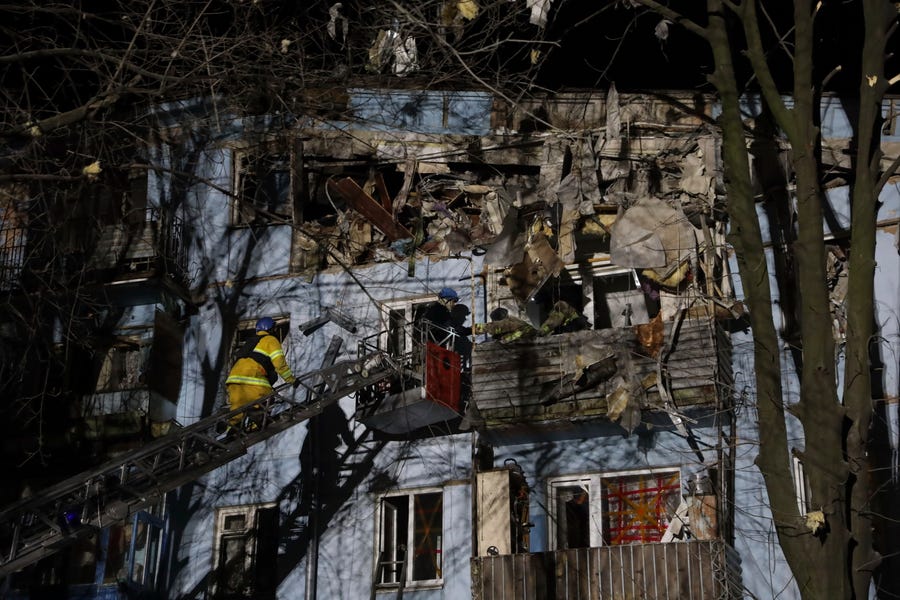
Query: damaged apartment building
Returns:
{"type": "Point", "coordinates": [589, 461]}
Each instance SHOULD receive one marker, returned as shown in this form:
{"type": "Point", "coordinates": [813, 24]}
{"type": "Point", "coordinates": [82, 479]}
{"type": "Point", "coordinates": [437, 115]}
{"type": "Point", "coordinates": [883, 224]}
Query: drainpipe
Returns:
{"type": "Point", "coordinates": [312, 555]}
{"type": "Point", "coordinates": [312, 561]}
{"type": "Point", "coordinates": [483, 277]}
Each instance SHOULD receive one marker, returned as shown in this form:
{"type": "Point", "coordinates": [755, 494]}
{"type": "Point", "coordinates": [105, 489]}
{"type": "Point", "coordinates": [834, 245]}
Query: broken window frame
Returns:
{"type": "Point", "coordinates": [595, 485]}
{"type": "Point", "coordinates": [400, 525]}
{"type": "Point", "coordinates": [245, 533]}
{"type": "Point", "coordinates": [610, 271]}
{"type": "Point", "coordinates": [585, 274]}
{"type": "Point", "coordinates": [104, 558]}
{"type": "Point", "coordinates": [398, 338]}
{"type": "Point", "coordinates": [147, 547]}
{"type": "Point", "coordinates": [278, 210]}
{"type": "Point", "coordinates": [557, 528]}
{"type": "Point", "coordinates": [123, 366]}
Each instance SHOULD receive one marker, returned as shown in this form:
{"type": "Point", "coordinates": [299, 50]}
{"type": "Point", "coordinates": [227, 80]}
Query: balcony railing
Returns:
{"type": "Point", "coordinates": [694, 570]}
{"type": "Point", "coordinates": [151, 246]}
{"type": "Point", "coordinates": [12, 256]}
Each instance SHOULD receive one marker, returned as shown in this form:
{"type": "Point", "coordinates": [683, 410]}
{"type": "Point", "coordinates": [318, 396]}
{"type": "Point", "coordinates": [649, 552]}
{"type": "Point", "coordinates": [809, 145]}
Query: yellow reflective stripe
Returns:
{"type": "Point", "coordinates": [245, 380]}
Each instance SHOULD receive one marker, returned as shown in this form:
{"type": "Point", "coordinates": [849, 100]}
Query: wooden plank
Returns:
{"type": "Point", "coordinates": [383, 194]}
{"type": "Point", "coordinates": [680, 570]}
{"type": "Point", "coordinates": [505, 391]}
{"type": "Point", "coordinates": [369, 208]}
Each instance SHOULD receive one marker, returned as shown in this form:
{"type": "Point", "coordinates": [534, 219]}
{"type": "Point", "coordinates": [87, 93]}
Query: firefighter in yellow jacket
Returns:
{"type": "Point", "coordinates": [259, 363]}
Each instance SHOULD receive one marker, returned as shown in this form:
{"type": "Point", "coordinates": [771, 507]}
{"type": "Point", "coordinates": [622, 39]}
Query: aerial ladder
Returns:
{"type": "Point", "coordinates": [38, 526]}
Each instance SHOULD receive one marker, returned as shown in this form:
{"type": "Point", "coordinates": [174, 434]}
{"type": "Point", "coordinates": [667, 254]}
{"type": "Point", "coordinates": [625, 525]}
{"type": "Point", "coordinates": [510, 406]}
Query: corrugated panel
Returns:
{"type": "Point", "coordinates": [696, 570]}
{"type": "Point", "coordinates": [511, 380]}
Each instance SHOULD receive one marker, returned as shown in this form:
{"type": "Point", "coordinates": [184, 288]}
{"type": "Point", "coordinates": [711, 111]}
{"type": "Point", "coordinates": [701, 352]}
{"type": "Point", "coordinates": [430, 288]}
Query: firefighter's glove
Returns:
{"type": "Point", "coordinates": [515, 335]}
{"type": "Point", "coordinates": [478, 328]}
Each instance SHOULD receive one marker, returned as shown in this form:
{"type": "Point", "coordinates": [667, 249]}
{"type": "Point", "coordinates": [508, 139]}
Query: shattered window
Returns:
{"type": "Point", "coordinates": [145, 551]}
{"type": "Point", "coordinates": [410, 538]}
{"type": "Point", "coordinates": [620, 301]}
{"type": "Point", "coordinates": [83, 559]}
{"type": "Point", "coordinates": [245, 551]}
{"type": "Point", "coordinates": [574, 513]}
{"type": "Point", "coordinates": [123, 367]}
{"type": "Point", "coordinates": [262, 186]}
{"type": "Point", "coordinates": [572, 516]}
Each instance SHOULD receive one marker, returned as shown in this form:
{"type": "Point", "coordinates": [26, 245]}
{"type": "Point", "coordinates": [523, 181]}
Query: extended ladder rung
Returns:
{"type": "Point", "coordinates": [35, 527]}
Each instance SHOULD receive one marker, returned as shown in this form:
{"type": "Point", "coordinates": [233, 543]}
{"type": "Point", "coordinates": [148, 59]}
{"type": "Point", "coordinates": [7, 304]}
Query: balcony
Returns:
{"type": "Point", "coordinates": [121, 414]}
{"type": "Point", "coordinates": [594, 378]}
{"type": "Point", "coordinates": [693, 570]}
{"type": "Point", "coordinates": [127, 256]}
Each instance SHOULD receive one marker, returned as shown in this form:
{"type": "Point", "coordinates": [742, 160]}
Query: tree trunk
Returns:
{"type": "Point", "coordinates": [819, 411]}
{"type": "Point", "coordinates": [773, 459]}
{"type": "Point", "coordinates": [860, 298]}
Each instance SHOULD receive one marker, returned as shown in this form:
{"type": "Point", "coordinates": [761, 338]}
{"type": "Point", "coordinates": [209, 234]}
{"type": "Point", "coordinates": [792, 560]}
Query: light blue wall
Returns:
{"type": "Point", "coordinates": [347, 547]}
{"type": "Point", "coordinates": [346, 551]}
{"type": "Point", "coordinates": [424, 111]}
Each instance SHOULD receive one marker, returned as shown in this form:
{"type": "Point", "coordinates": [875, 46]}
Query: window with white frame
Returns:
{"type": "Point", "coordinates": [400, 318]}
{"type": "Point", "coordinates": [801, 485]}
{"type": "Point", "coordinates": [410, 538]}
{"type": "Point", "coordinates": [246, 545]}
{"type": "Point", "coordinates": [611, 508]}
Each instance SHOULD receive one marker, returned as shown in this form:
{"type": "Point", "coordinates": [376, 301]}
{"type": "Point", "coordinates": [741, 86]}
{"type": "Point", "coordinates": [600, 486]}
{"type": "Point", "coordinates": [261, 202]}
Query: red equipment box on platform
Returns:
{"type": "Point", "coordinates": [442, 376]}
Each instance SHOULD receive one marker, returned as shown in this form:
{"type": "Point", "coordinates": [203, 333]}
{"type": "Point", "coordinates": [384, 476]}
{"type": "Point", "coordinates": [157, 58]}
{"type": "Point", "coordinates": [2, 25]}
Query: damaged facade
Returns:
{"type": "Point", "coordinates": [604, 461]}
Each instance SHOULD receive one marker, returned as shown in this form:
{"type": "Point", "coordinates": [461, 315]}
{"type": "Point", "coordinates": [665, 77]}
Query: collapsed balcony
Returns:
{"type": "Point", "coordinates": [652, 372]}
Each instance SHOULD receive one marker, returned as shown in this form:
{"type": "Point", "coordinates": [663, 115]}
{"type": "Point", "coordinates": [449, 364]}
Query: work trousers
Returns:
{"type": "Point", "coordinates": [241, 394]}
